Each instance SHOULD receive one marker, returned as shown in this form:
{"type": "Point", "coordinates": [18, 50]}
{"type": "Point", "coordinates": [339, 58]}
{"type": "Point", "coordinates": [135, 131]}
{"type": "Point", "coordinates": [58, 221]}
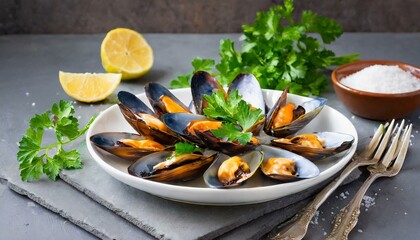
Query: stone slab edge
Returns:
{"type": "Point", "coordinates": [97, 228]}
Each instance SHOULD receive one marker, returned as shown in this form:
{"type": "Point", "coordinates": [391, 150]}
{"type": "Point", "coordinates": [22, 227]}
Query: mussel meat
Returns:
{"type": "Point", "coordinates": [285, 119]}
{"type": "Point", "coordinates": [286, 166]}
{"type": "Point", "coordinates": [162, 100]}
{"type": "Point", "coordinates": [165, 167]}
{"type": "Point", "coordinates": [282, 166]}
{"type": "Point", "coordinates": [129, 146]}
{"type": "Point", "coordinates": [233, 170]}
{"type": "Point", "coordinates": [315, 146]}
{"type": "Point", "coordinates": [228, 172]}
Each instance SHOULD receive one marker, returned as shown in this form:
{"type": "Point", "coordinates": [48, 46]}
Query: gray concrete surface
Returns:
{"type": "Point", "coordinates": [30, 64]}
{"type": "Point", "coordinates": [191, 16]}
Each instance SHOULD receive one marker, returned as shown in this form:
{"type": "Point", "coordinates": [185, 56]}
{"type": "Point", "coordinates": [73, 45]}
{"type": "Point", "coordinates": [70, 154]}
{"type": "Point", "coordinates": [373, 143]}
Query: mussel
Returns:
{"type": "Point", "coordinates": [228, 172]}
{"type": "Point", "coordinates": [202, 83]}
{"type": "Point", "coordinates": [315, 146]}
{"type": "Point", "coordinates": [285, 119]}
{"type": "Point", "coordinates": [162, 100]}
{"type": "Point", "coordinates": [197, 129]}
{"type": "Point", "coordinates": [129, 146]}
{"type": "Point", "coordinates": [179, 123]}
{"type": "Point", "coordinates": [144, 120]}
{"type": "Point", "coordinates": [286, 166]}
{"type": "Point", "coordinates": [250, 90]}
{"type": "Point", "coordinates": [165, 167]}
{"type": "Point", "coordinates": [247, 86]}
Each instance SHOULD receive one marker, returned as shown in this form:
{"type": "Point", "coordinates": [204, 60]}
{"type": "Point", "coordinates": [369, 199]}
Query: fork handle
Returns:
{"type": "Point", "coordinates": [347, 219]}
{"type": "Point", "coordinates": [297, 227]}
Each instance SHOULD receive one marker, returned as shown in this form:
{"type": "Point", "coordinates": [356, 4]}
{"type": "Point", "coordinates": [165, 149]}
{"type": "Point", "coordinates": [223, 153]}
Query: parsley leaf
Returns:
{"type": "Point", "coordinates": [233, 111]}
{"type": "Point", "coordinates": [232, 133]}
{"type": "Point", "coordinates": [34, 159]}
{"type": "Point", "coordinates": [184, 148]}
{"type": "Point", "coordinates": [183, 81]}
{"type": "Point", "coordinates": [221, 108]}
{"type": "Point", "coordinates": [246, 117]}
{"type": "Point", "coordinates": [279, 52]}
{"type": "Point", "coordinates": [72, 159]}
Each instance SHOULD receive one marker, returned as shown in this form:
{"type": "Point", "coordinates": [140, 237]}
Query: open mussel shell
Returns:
{"type": "Point", "coordinates": [135, 111]}
{"type": "Point", "coordinates": [133, 103]}
{"type": "Point", "coordinates": [155, 92]}
{"type": "Point", "coordinates": [192, 167]}
{"type": "Point", "coordinates": [202, 83]}
{"type": "Point", "coordinates": [250, 90]}
{"type": "Point", "coordinates": [252, 158]}
{"type": "Point", "coordinates": [312, 108]}
{"type": "Point", "coordinates": [109, 141]}
{"type": "Point", "coordinates": [178, 123]}
{"type": "Point", "coordinates": [304, 167]}
{"type": "Point", "coordinates": [333, 143]}
{"type": "Point", "coordinates": [226, 147]}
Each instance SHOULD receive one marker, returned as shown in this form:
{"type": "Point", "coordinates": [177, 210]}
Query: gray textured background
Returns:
{"type": "Point", "coordinates": [194, 16]}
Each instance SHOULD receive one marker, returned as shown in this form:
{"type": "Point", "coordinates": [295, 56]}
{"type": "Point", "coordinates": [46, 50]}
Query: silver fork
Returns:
{"type": "Point", "coordinates": [346, 220]}
{"type": "Point", "coordinates": [297, 227]}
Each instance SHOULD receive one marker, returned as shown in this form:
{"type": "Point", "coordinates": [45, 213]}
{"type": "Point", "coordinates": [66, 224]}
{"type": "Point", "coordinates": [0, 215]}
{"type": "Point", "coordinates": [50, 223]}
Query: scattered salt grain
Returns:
{"type": "Point", "coordinates": [57, 93]}
{"type": "Point", "coordinates": [360, 230]}
{"type": "Point", "coordinates": [315, 218]}
{"type": "Point", "coordinates": [27, 94]}
{"type": "Point", "coordinates": [405, 213]}
{"type": "Point", "coordinates": [382, 79]}
{"type": "Point", "coordinates": [343, 196]}
{"type": "Point", "coordinates": [368, 201]}
{"type": "Point", "coordinates": [325, 233]}
{"type": "Point", "coordinates": [33, 104]}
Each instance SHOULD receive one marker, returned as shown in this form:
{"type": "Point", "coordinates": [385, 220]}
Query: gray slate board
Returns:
{"type": "Point", "coordinates": [162, 218]}
{"type": "Point", "coordinates": [63, 199]}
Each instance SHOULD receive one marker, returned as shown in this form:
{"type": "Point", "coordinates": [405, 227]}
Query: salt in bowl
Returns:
{"type": "Point", "coordinates": [375, 106]}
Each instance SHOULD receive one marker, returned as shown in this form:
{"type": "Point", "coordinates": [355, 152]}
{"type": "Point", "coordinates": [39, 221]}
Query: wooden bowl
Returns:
{"type": "Point", "coordinates": [375, 106]}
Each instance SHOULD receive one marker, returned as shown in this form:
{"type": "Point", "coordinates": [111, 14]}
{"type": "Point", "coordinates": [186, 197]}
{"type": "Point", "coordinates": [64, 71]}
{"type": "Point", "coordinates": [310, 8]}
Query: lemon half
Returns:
{"type": "Point", "coordinates": [126, 51]}
{"type": "Point", "coordinates": [89, 87]}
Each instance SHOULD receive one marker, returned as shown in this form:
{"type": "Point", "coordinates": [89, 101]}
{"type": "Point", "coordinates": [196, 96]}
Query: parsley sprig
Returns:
{"type": "Point", "coordinates": [35, 159]}
{"type": "Point", "coordinates": [183, 81]}
{"type": "Point", "coordinates": [184, 148]}
{"type": "Point", "coordinates": [279, 51]}
{"type": "Point", "coordinates": [237, 116]}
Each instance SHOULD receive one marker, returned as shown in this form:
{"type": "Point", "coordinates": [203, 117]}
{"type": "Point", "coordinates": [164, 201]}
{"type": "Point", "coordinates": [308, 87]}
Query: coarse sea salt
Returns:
{"type": "Point", "coordinates": [382, 79]}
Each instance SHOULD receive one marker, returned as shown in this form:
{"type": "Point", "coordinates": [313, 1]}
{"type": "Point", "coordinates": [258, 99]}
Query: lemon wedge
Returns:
{"type": "Point", "coordinates": [89, 87]}
{"type": "Point", "coordinates": [126, 51]}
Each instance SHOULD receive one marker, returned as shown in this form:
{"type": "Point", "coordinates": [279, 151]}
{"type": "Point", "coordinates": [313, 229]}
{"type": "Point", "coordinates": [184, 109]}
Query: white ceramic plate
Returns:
{"type": "Point", "coordinates": [257, 189]}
